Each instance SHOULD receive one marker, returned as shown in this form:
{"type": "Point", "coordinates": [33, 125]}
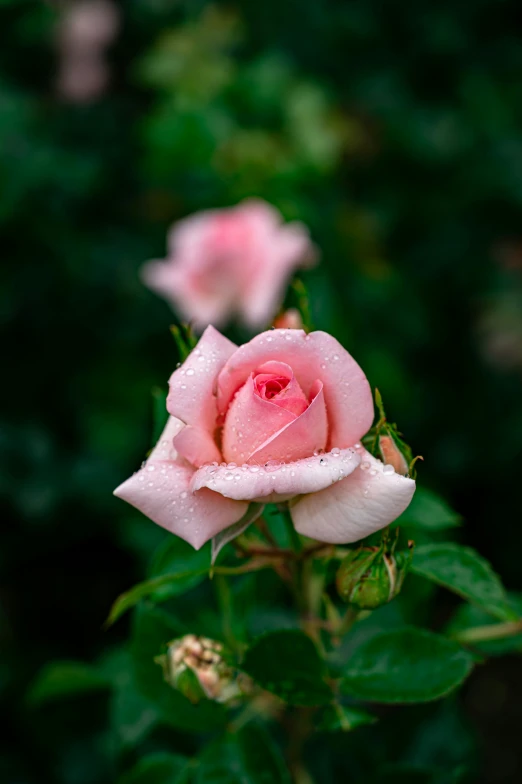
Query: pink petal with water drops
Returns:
{"type": "Point", "coordinates": [161, 490]}
{"type": "Point", "coordinates": [191, 394]}
{"type": "Point", "coordinates": [301, 438]}
{"type": "Point", "coordinates": [250, 421]}
{"type": "Point", "coordinates": [197, 446]}
{"type": "Point", "coordinates": [369, 499]}
{"type": "Point", "coordinates": [277, 481]}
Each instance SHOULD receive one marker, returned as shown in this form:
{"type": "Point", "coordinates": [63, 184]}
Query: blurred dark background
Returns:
{"type": "Point", "coordinates": [394, 131]}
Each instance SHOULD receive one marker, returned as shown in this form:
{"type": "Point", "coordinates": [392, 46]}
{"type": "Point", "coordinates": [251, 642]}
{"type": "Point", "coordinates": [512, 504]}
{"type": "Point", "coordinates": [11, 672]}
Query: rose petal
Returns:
{"type": "Point", "coordinates": [191, 396]}
{"type": "Point", "coordinates": [251, 421]}
{"type": "Point", "coordinates": [197, 446]}
{"type": "Point", "coordinates": [290, 396]}
{"type": "Point", "coordinates": [315, 356]}
{"type": "Point", "coordinates": [161, 490]}
{"type": "Point", "coordinates": [299, 439]}
{"type": "Point", "coordinates": [183, 289]}
{"type": "Point", "coordinates": [282, 247]}
{"type": "Point", "coordinates": [279, 482]}
{"type": "Point", "coordinates": [164, 449]}
{"type": "Point", "coordinates": [369, 499]}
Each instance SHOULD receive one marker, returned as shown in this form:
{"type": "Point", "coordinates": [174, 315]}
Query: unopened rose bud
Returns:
{"type": "Point", "coordinates": [369, 577]}
{"type": "Point", "coordinates": [290, 319]}
{"type": "Point", "coordinates": [195, 667]}
{"type": "Point", "coordinates": [392, 455]}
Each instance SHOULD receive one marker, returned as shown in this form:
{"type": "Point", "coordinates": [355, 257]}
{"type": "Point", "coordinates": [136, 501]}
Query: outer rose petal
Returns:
{"type": "Point", "coordinates": [161, 490]}
{"type": "Point", "coordinates": [164, 449]}
{"type": "Point", "coordinates": [315, 356]}
{"type": "Point", "coordinates": [197, 304]}
{"type": "Point", "coordinates": [366, 501]}
{"type": "Point", "coordinates": [287, 248]}
{"type": "Point", "coordinates": [196, 445]}
{"type": "Point", "coordinates": [191, 396]}
{"type": "Point", "coordinates": [279, 482]}
{"type": "Point", "coordinates": [299, 439]}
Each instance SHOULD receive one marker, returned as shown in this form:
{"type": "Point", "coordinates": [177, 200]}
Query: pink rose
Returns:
{"type": "Point", "coordinates": [230, 262]}
{"type": "Point", "coordinates": [278, 418]}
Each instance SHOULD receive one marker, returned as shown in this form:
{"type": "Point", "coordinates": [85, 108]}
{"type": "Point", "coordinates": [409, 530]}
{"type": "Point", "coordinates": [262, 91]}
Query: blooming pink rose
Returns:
{"type": "Point", "coordinates": [230, 262]}
{"type": "Point", "coordinates": [278, 418]}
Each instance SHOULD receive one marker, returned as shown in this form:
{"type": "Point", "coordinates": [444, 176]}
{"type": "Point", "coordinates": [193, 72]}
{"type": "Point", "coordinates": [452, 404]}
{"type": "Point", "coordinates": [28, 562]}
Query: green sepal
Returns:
{"type": "Point", "coordinates": [385, 428]}
{"type": "Point", "coordinates": [185, 339]}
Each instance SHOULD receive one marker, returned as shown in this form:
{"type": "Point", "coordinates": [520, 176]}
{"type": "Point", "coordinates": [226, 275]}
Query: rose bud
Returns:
{"type": "Point", "coordinates": [290, 319]}
{"type": "Point", "coordinates": [391, 455]}
{"type": "Point", "coordinates": [195, 667]}
{"type": "Point", "coordinates": [276, 420]}
{"type": "Point", "coordinates": [370, 577]}
{"type": "Point", "coordinates": [230, 263]}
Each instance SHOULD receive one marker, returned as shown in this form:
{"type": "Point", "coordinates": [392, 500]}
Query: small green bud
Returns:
{"type": "Point", "coordinates": [370, 577]}
{"type": "Point", "coordinates": [196, 668]}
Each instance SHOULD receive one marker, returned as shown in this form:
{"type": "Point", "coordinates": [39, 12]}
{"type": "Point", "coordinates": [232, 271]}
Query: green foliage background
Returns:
{"type": "Point", "coordinates": [395, 132]}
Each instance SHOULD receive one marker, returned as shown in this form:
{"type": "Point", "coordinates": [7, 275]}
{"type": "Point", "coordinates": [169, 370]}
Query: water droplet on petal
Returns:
{"type": "Point", "coordinates": [190, 371]}
{"type": "Point", "coordinates": [388, 469]}
{"type": "Point", "coordinates": [365, 466]}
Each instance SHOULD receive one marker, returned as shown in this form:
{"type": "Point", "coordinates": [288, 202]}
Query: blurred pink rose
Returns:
{"type": "Point", "coordinates": [278, 418]}
{"type": "Point", "coordinates": [230, 262]}
{"type": "Point", "coordinates": [88, 26]}
{"type": "Point", "coordinates": [86, 29]}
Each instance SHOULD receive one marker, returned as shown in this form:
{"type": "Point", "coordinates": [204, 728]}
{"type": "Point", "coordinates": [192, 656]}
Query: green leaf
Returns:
{"type": "Point", "coordinates": [287, 664]}
{"type": "Point", "coordinates": [175, 557]}
{"type": "Point", "coordinates": [152, 630]}
{"type": "Point", "coordinates": [130, 598]}
{"type": "Point", "coordinates": [429, 512]}
{"type": "Point", "coordinates": [406, 666]}
{"type": "Point", "coordinates": [247, 756]}
{"type": "Point", "coordinates": [343, 718]}
{"type": "Point", "coordinates": [466, 573]}
{"type": "Point", "coordinates": [66, 679]}
{"type": "Point", "coordinates": [159, 768]}
{"type": "Point", "coordinates": [132, 716]}
{"type": "Point", "coordinates": [468, 617]}
{"type": "Point", "coordinates": [152, 587]}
